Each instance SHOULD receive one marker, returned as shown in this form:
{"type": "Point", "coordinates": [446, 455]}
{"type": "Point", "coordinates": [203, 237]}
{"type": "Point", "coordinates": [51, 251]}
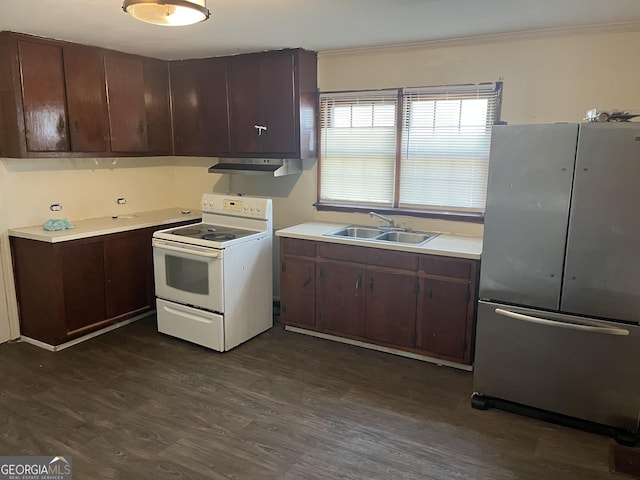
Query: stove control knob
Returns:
{"type": "Point", "coordinates": [259, 209]}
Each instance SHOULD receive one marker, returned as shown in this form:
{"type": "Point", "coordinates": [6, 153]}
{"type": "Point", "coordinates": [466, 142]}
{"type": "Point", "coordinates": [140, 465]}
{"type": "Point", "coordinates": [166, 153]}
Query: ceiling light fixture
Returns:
{"type": "Point", "coordinates": [167, 12]}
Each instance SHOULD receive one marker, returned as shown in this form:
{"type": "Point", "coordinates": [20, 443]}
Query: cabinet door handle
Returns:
{"type": "Point", "coordinates": [358, 282]}
{"type": "Point", "coordinates": [76, 125]}
{"type": "Point", "coordinates": [141, 127]}
{"type": "Point", "coordinates": [307, 282]}
{"type": "Point", "coordinates": [260, 129]}
{"type": "Point", "coordinates": [371, 284]}
{"type": "Point", "coordinates": [61, 125]}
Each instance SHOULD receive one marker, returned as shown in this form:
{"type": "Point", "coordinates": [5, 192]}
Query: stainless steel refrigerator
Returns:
{"type": "Point", "coordinates": [559, 311]}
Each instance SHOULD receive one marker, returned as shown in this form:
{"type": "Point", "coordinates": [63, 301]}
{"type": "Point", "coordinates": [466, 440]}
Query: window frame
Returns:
{"type": "Point", "coordinates": [447, 214]}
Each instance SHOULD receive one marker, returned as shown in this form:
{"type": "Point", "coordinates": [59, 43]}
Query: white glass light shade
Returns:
{"type": "Point", "coordinates": [167, 12]}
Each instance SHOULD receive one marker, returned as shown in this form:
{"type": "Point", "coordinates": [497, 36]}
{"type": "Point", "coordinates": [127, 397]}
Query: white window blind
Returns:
{"type": "Point", "coordinates": [358, 147]}
{"type": "Point", "coordinates": [440, 151]}
{"type": "Point", "coordinates": [446, 137]}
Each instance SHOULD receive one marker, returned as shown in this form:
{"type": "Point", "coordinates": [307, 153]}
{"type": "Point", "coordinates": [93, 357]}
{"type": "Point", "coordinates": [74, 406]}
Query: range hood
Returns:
{"type": "Point", "coordinates": [274, 167]}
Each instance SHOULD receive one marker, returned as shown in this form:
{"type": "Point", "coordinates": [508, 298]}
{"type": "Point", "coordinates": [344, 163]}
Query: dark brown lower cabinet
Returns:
{"type": "Point", "coordinates": [129, 285]}
{"type": "Point", "coordinates": [83, 284]}
{"type": "Point", "coordinates": [68, 289]}
{"type": "Point", "coordinates": [340, 297]}
{"type": "Point", "coordinates": [443, 319]}
{"type": "Point", "coordinates": [414, 302]}
{"type": "Point", "coordinates": [298, 291]}
{"type": "Point", "coordinates": [391, 307]}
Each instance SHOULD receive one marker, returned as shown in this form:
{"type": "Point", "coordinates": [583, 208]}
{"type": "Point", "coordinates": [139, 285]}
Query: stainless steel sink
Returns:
{"type": "Point", "coordinates": [404, 237]}
{"type": "Point", "coordinates": [376, 235]}
{"type": "Point", "coordinates": [356, 232]}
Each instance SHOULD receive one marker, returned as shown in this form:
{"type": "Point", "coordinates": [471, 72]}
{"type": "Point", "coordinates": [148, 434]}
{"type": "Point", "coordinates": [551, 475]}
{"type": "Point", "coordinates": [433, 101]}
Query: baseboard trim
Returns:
{"type": "Point", "coordinates": [379, 348]}
{"type": "Point", "coordinates": [88, 336]}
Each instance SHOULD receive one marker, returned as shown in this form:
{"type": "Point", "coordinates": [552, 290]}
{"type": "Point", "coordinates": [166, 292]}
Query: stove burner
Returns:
{"type": "Point", "coordinates": [187, 232]}
{"type": "Point", "coordinates": [218, 237]}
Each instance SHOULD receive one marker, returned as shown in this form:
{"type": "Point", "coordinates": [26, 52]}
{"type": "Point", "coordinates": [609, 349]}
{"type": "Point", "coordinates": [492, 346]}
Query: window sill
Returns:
{"type": "Point", "coordinates": [471, 217]}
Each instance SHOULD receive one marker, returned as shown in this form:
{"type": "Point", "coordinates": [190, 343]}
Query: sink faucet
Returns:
{"type": "Point", "coordinates": [392, 224]}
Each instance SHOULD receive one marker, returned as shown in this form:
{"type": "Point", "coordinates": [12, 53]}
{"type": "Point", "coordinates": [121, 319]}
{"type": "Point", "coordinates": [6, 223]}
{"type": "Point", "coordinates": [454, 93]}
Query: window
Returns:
{"type": "Point", "coordinates": [436, 161]}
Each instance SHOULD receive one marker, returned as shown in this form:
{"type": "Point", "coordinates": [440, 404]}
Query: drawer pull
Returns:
{"type": "Point", "coordinates": [570, 326]}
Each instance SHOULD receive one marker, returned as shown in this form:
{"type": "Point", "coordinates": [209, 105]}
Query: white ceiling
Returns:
{"type": "Point", "coordinates": [239, 26]}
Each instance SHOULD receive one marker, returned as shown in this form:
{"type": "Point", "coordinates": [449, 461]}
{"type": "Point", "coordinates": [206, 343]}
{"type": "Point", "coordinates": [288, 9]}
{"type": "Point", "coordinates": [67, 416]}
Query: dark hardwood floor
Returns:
{"type": "Point", "coordinates": [135, 404]}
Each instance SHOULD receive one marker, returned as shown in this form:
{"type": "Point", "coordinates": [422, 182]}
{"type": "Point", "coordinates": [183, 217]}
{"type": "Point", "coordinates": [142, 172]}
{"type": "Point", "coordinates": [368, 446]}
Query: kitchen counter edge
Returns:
{"type": "Point", "coordinates": [94, 227]}
{"type": "Point", "coordinates": [445, 244]}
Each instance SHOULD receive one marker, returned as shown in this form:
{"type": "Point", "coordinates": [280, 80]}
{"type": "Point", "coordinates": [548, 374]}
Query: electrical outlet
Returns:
{"type": "Point", "coordinates": [55, 207]}
{"type": "Point", "coordinates": [121, 200]}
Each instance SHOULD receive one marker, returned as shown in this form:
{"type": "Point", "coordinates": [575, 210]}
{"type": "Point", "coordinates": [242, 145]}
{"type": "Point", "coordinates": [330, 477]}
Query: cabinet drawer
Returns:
{"type": "Point", "coordinates": [446, 266]}
{"type": "Point", "coordinates": [347, 253]}
{"type": "Point", "coordinates": [293, 246]}
{"type": "Point", "coordinates": [393, 259]}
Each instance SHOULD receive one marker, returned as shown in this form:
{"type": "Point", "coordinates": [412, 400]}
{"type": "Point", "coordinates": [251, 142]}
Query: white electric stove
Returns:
{"type": "Point", "coordinates": [213, 279]}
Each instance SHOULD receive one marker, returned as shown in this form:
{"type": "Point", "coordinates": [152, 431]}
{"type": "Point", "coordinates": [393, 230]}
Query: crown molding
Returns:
{"type": "Point", "coordinates": [492, 38]}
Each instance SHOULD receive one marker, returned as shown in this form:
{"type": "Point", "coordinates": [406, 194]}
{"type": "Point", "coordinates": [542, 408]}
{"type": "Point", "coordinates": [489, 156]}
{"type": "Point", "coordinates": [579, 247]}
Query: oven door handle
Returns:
{"type": "Point", "coordinates": [570, 326]}
{"type": "Point", "coordinates": [200, 253]}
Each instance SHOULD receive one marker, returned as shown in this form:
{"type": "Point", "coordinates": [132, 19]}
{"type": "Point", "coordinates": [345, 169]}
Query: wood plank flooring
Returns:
{"type": "Point", "coordinates": [135, 404]}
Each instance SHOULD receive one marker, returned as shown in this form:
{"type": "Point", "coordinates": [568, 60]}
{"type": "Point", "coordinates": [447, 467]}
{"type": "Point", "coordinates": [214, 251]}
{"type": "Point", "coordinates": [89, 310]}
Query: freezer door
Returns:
{"type": "Point", "coordinates": [602, 273]}
{"type": "Point", "coordinates": [573, 366]}
{"type": "Point", "coordinates": [530, 176]}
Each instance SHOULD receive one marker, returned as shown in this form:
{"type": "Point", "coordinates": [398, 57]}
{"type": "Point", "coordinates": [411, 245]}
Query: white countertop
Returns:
{"type": "Point", "coordinates": [105, 225]}
{"type": "Point", "coordinates": [444, 244]}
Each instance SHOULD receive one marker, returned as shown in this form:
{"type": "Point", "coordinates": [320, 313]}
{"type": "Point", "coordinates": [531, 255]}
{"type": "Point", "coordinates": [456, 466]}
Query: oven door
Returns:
{"type": "Point", "coordinates": [188, 274]}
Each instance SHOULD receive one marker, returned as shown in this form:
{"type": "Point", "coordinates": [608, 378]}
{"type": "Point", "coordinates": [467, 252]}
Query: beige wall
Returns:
{"type": "Point", "coordinates": [85, 187]}
{"type": "Point", "coordinates": [548, 77]}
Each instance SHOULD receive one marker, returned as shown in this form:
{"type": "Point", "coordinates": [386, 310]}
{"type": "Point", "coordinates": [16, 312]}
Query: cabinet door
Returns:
{"type": "Point", "coordinates": [340, 298]}
{"type": "Point", "coordinates": [83, 280]}
{"type": "Point", "coordinates": [298, 291]}
{"type": "Point", "coordinates": [86, 99]}
{"type": "Point", "coordinates": [277, 95]}
{"type": "Point", "coordinates": [200, 109]}
{"type": "Point", "coordinates": [262, 102]}
{"type": "Point", "coordinates": [443, 320]}
{"type": "Point", "coordinates": [244, 104]}
{"type": "Point", "coordinates": [127, 115]}
{"type": "Point", "coordinates": [37, 271]}
{"type": "Point", "coordinates": [391, 307]}
{"type": "Point", "coordinates": [44, 102]}
{"type": "Point", "coordinates": [126, 262]}
{"type": "Point", "coordinates": [157, 106]}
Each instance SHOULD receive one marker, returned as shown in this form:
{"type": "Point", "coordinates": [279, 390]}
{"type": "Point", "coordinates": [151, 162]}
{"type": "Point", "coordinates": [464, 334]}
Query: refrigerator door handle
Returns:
{"type": "Point", "coordinates": [571, 326]}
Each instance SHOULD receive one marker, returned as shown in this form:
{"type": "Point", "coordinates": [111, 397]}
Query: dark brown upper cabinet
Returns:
{"type": "Point", "coordinates": [45, 115]}
{"type": "Point", "coordinates": [60, 99]}
{"type": "Point", "coordinates": [86, 99]}
{"type": "Point", "coordinates": [139, 105]}
{"type": "Point", "coordinates": [127, 110]}
{"type": "Point", "coordinates": [272, 104]}
{"type": "Point", "coordinates": [200, 108]}
{"type": "Point", "coordinates": [52, 98]}
{"type": "Point", "coordinates": [157, 106]}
